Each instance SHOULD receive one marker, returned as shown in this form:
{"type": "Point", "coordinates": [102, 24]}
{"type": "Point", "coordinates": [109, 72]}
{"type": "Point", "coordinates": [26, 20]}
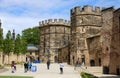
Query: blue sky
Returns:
{"type": "Point", "coordinates": [22, 14]}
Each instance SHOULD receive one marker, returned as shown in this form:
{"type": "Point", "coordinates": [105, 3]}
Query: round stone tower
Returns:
{"type": "Point", "coordinates": [85, 23]}
{"type": "Point", "coordinates": [54, 33]}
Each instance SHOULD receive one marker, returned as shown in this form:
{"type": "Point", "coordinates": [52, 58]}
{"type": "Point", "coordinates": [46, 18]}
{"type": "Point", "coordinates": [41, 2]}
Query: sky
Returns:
{"type": "Point", "coordinates": [23, 14]}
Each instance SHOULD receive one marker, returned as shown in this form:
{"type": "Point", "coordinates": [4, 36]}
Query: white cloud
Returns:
{"type": "Point", "coordinates": [35, 11]}
{"type": "Point", "coordinates": [22, 14]}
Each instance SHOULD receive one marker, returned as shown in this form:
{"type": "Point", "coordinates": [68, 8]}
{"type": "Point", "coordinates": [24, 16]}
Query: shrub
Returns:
{"type": "Point", "coordinates": [86, 75]}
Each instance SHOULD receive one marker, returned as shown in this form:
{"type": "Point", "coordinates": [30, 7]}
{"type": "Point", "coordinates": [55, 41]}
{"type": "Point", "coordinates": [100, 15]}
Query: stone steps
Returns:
{"type": "Point", "coordinates": [91, 70]}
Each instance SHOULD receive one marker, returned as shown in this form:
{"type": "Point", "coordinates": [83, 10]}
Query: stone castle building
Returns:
{"type": "Point", "coordinates": [85, 23]}
{"type": "Point", "coordinates": [53, 35]}
{"type": "Point", "coordinates": [93, 37]}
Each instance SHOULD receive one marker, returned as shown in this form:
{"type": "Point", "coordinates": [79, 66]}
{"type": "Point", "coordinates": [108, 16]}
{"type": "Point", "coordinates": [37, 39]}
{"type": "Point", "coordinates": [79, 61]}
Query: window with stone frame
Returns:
{"type": "Point", "coordinates": [82, 30]}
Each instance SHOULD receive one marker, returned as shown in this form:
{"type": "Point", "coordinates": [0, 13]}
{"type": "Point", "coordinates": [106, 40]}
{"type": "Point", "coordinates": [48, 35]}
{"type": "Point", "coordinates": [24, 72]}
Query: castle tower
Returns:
{"type": "Point", "coordinates": [54, 34]}
{"type": "Point", "coordinates": [13, 35]}
{"type": "Point", "coordinates": [0, 23]}
{"type": "Point", "coordinates": [0, 27]}
{"type": "Point", "coordinates": [85, 23]}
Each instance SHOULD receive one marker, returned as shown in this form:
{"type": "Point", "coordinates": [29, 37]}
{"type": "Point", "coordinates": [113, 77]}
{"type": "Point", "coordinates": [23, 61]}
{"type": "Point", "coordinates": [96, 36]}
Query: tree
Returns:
{"type": "Point", "coordinates": [36, 35]}
{"type": "Point", "coordinates": [23, 45]}
{"type": "Point", "coordinates": [8, 44]}
{"type": "Point", "coordinates": [20, 45]}
{"type": "Point", "coordinates": [17, 47]}
{"type": "Point", "coordinates": [1, 40]}
{"type": "Point", "coordinates": [1, 43]}
{"type": "Point", "coordinates": [31, 35]}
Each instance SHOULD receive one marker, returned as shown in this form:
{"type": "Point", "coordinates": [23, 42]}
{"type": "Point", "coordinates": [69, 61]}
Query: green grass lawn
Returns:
{"type": "Point", "coordinates": [15, 77]}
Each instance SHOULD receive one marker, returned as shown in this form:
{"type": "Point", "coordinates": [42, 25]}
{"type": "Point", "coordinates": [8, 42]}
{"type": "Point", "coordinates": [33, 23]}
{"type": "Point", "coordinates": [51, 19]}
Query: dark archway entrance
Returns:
{"type": "Point", "coordinates": [118, 70]}
{"type": "Point", "coordinates": [92, 63]}
{"type": "Point", "coordinates": [83, 59]}
{"type": "Point", "coordinates": [105, 70]}
{"type": "Point", "coordinates": [55, 59]}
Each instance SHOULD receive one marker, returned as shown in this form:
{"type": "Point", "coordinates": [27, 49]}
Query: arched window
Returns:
{"type": "Point", "coordinates": [92, 63]}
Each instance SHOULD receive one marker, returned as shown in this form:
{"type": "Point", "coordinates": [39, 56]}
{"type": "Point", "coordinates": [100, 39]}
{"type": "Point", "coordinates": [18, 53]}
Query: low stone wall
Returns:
{"type": "Point", "coordinates": [108, 76]}
{"type": "Point", "coordinates": [3, 70]}
{"type": "Point", "coordinates": [91, 70]}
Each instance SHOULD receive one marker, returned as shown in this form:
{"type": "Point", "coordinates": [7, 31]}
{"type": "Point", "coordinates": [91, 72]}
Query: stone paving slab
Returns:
{"type": "Point", "coordinates": [42, 72]}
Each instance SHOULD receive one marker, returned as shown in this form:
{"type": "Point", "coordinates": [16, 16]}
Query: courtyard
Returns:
{"type": "Point", "coordinates": [42, 72]}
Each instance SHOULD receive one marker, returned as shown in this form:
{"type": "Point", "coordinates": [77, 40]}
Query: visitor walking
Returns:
{"type": "Point", "coordinates": [61, 68]}
{"type": "Point", "coordinates": [13, 67]}
{"type": "Point", "coordinates": [29, 65]}
{"type": "Point", "coordinates": [48, 64]}
{"type": "Point", "coordinates": [76, 64]}
{"type": "Point", "coordinates": [25, 67]}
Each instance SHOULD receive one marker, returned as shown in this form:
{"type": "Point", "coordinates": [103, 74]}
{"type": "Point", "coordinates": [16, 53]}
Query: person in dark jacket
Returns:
{"type": "Point", "coordinates": [25, 67]}
{"type": "Point", "coordinates": [48, 64]}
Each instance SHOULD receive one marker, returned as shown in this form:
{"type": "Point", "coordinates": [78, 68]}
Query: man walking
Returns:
{"type": "Point", "coordinates": [48, 64]}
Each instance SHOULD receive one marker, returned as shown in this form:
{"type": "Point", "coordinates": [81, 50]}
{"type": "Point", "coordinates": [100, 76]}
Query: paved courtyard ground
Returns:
{"type": "Point", "coordinates": [42, 72]}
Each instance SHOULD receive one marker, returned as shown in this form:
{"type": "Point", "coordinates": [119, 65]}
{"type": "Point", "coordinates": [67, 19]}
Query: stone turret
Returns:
{"type": "Point", "coordinates": [54, 22]}
{"type": "Point", "coordinates": [86, 10]}
{"type": "Point", "coordinates": [86, 16]}
{"type": "Point", "coordinates": [0, 26]}
{"type": "Point", "coordinates": [0, 23]}
{"type": "Point", "coordinates": [85, 22]}
{"type": "Point", "coordinates": [13, 34]}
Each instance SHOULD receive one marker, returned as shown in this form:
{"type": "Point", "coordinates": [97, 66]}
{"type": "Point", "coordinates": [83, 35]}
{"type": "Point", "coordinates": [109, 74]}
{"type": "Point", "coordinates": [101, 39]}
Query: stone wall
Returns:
{"type": "Point", "coordinates": [95, 51]}
{"type": "Point", "coordinates": [63, 54]}
{"type": "Point", "coordinates": [106, 31]}
{"type": "Point", "coordinates": [54, 34]}
{"type": "Point", "coordinates": [115, 44]}
{"type": "Point", "coordinates": [12, 57]}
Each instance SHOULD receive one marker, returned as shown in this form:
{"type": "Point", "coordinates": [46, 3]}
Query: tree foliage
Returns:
{"type": "Point", "coordinates": [20, 46]}
{"type": "Point", "coordinates": [1, 40]}
{"type": "Point", "coordinates": [17, 47]}
{"type": "Point", "coordinates": [31, 35]}
{"type": "Point", "coordinates": [23, 45]}
{"type": "Point", "coordinates": [8, 43]}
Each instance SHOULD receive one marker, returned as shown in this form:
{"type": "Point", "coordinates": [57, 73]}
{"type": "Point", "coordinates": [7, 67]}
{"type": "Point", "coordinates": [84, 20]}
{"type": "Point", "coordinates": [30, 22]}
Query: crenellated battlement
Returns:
{"type": "Point", "coordinates": [85, 10]}
{"type": "Point", "coordinates": [54, 22]}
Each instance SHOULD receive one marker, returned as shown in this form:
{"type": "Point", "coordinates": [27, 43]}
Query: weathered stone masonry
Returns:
{"type": "Point", "coordinates": [54, 34]}
{"type": "Point", "coordinates": [85, 23]}
{"type": "Point", "coordinates": [93, 37]}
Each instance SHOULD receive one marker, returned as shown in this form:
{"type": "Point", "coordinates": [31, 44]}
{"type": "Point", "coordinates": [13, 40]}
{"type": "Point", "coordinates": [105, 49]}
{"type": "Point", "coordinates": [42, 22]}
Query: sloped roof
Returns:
{"type": "Point", "coordinates": [32, 47]}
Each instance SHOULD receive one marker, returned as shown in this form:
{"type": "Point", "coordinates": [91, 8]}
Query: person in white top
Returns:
{"type": "Point", "coordinates": [61, 68]}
